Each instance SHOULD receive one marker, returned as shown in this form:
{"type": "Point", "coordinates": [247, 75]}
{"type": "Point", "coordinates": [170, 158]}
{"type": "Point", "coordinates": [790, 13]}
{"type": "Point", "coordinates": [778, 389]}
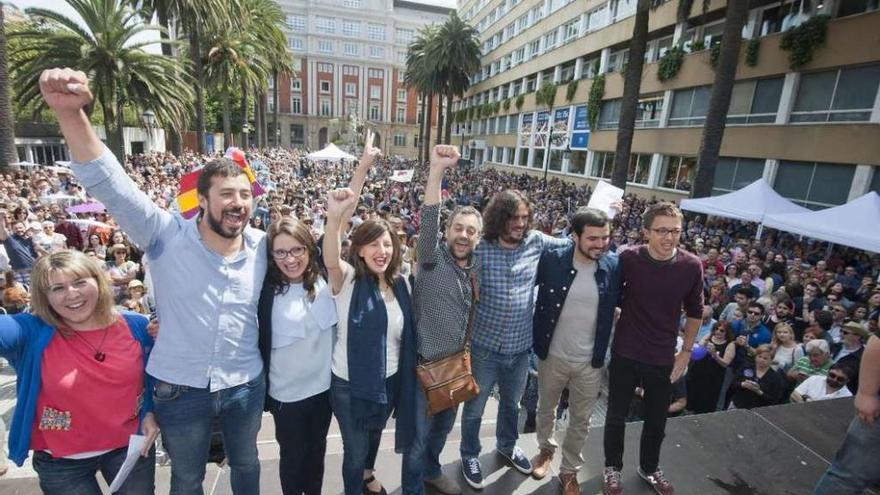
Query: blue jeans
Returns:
{"type": "Point", "coordinates": [77, 476]}
{"type": "Point", "coordinates": [185, 415]}
{"type": "Point", "coordinates": [422, 461]}
{"type": "Point", "coordinates": [359, 444]}
{"type": "Point", "coordinates": [855, 466]}
{"type": "Point", "coordinates": [509, 371]}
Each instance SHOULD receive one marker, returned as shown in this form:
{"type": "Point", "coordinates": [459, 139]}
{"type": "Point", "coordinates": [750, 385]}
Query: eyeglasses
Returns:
{"type": "Point", "coordinates": [296, 252]}
{"type": "Point", "coordinates": [662, 232]}
{"type": "Point", "coordinates": [755, 313]}
{"type": "Point", "coordinates": [838, 377]}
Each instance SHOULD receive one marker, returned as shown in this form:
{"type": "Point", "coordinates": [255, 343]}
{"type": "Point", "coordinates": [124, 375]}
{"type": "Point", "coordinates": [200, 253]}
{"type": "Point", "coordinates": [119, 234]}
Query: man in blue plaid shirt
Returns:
{"type": "Point", "coordinates": [502, 328]}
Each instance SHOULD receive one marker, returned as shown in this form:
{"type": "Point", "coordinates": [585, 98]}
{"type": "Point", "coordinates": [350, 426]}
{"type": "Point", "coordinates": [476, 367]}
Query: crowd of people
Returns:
{"type": "Point", "coordinates": [258, 302]}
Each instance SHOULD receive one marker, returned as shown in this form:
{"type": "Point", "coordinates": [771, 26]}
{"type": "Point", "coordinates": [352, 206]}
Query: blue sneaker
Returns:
{"type": "Point", "coordinates": [518, 460]}
{"type": "Point", "coordinates": [472, 472]}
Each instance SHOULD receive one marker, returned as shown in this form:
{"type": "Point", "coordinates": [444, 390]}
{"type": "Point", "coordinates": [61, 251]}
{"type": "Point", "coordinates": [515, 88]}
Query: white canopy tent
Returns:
{"type": "Point", "coordinates": [330, 154]}
{"type": "Point", "coordinates": [852, 224]}
{"type": "Point", "coordinates": [751, 203]}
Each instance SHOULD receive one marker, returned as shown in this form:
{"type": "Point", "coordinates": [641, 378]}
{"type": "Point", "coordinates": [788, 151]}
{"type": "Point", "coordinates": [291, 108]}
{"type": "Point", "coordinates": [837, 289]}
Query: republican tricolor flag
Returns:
{"type": "Point", "coordinates": [188, 198]}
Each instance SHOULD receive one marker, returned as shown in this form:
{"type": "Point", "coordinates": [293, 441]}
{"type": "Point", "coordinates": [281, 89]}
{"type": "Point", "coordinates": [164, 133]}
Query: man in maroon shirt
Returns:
{"type": "Point", "coordinates": [69, 230]}
{"type": "Point", "coordinates": [658, 281]}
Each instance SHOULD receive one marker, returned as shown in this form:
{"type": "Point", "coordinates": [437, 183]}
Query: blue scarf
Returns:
{"type": "Point", "coordinates": [366, 339]}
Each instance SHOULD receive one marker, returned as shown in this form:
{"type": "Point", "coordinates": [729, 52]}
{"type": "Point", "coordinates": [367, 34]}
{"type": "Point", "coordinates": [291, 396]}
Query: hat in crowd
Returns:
{"type": "Point", "coordinates": [135, 283]}
{"type": "Point", "coordinates": [117, 247]}
{"type": "Point", "coordinates": [855, 328]}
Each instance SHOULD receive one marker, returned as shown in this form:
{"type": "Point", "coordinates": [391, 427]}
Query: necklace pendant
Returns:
{"type": "Point", "coordinates": [100, 356]}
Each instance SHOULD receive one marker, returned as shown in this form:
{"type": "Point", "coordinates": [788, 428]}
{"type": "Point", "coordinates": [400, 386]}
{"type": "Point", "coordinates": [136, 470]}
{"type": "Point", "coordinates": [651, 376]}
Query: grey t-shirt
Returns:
{"type": "Point", "coordinates": [576, 329]}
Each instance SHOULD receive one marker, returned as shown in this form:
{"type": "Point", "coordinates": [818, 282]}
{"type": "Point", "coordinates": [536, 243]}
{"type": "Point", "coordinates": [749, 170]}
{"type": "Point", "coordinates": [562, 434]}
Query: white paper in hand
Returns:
{"type": "Point", "coordinates": [135, 444]}
{"type": "Point", "coordinates": [603, 196]}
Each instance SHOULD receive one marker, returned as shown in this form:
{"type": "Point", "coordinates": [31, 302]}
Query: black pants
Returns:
{"type": "Point", "coordinates": [301, 430]}
{"type": "Point", "coordinates": [624, 375]}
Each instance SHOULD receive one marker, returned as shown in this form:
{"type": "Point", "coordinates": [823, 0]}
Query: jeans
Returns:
{"type": "Point", "coordinates": [509, 372]}
{"type": "Point", "coordinates": [422, 461]}
{"type": "Point", "coordinates": [301, 430]}
{"type": "Point", "coordinates": [584, 383]}
{"type": "Point", "coordinates": [359, 445]}
{"type": "Point", "coordinates": [185, 415]}
{"type": "Point", "coordinates": [77, 476]}
{"type": "Point", "coordinates": [855, 466]}
{"type": "Point", "coordinates": [624, 375]}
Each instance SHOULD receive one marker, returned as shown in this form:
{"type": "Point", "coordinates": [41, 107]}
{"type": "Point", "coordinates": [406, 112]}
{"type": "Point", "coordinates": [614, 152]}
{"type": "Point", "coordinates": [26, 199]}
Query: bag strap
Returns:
{"type": "Point", "coordinates": [475, 296]}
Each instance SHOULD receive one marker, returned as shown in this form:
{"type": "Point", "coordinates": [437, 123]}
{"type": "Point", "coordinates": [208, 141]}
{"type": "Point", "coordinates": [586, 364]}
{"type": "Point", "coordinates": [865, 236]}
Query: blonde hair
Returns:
{"type": "Point", "coordinates": [78, 265]}
{"type": "Point", "coordinates": [782, 326]}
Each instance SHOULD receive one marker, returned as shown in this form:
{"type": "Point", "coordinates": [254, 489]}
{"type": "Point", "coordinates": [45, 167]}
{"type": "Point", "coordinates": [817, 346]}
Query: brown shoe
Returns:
{"type": "Point", "coordinates": [541, 464]}
{"type": "Point", "coordinates": [570, 484]}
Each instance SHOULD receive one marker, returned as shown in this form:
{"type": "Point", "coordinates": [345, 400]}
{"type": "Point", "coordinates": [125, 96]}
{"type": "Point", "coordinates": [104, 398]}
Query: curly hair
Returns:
{"type": "Point", "coordinates": [300, 232]}
{"type": "Point", "coordinates": [362, 236]}
{"type": "Point", "coordinates": [501, 209]}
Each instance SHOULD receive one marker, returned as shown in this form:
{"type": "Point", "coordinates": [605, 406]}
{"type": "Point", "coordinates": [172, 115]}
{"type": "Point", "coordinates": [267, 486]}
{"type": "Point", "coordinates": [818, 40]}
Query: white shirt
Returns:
{"type": "Point", "coordinates": [302, 343]}
{"type": "Point", "coordinates": [394, 334]}
{"type": "Point", "coordinates": [814, 387]}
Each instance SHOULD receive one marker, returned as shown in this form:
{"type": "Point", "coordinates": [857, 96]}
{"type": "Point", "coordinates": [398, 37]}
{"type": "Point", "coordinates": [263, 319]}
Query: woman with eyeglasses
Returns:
{"type": "Point", "coordinates": [297, 315]}
{"type": "Point", "coordinates": [82, 388]}
{"type": "Point", "coordinates": [832, 386]}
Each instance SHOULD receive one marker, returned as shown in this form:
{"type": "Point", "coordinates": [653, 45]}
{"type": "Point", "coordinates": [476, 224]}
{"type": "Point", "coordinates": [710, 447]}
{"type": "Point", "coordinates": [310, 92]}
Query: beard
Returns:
{"type": "Point", "coordinates": [586, 253]}
{"type": "Point", "coordinates": [216, 224]}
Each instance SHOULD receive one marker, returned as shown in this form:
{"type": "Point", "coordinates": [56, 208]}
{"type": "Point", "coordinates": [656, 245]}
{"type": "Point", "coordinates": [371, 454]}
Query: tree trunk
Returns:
{"type": "Point", "coordinates": [264, 120]}
{"type": "Point", "coordinates": [440, 117]}
{"type": "Point", "coordinates": [632, 82]}
{"type": "Point", "coordinates": [243, 107]}
{"type": "Point", "coordinates": [422, 127]}
{"type": "Point", "coordinates": [448, 134]}
{"type": "Point", "coordinates": [258, 124]}
{"type": "Point", "coordinates": [174, 142]}
{"type": "Point", "coordinates": [195, 55]}
{"type": "Point", "coordinates": [276, 134]}
{"type": "Point", "coordinates": [8, 153]}
{"type": "Point", "coordinates": [227, 124]}
{"type": "Point", "coordinates": [427, 117]}
{"type": "Point", "coordinates": [112, 110]}
{"type": "Point", "coordinates": [719, 100]}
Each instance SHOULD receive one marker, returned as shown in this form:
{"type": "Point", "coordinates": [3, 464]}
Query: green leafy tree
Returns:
{"type": "Point", "coordinates": [7, 125]}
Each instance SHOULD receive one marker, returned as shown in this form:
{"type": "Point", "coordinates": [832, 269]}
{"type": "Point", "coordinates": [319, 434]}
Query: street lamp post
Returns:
{"type": "Point", "coordinates": [149, 118]}
{"type": "Point", "coordinates": [245, 131]}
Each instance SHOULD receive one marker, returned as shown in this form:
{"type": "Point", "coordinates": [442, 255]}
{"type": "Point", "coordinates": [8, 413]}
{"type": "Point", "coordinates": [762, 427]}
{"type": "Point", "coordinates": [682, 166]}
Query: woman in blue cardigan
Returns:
{"type": "Point", "coordinates": [374, 354]}
{"type": "Point", "coordinates": [81, 380]}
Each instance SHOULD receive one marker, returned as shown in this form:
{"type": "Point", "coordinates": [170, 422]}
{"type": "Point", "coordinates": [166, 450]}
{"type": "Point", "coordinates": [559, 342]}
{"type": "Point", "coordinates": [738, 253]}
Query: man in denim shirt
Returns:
{"type": "Point", "coordinates": [502, 329]}
{"type": "Point", "coordinates": [207, 274]}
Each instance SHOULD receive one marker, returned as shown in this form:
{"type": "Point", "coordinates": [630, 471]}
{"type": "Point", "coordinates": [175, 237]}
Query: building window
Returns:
{"type": "Point", "coordinates": [689, 106]}
{"type": "Point", "coordinates": [845, 95]}
{"type": "Point", "coordinates": [326, 25]}
{"type": "Point", "coordinates": [400, 140]}
{"type": "Point", "coordinates": [375, 92]}
{"type": "Point", "coordinates": [814, 185]}
{"type": "Point", "coordinates": [377, 52]}
{"type": "Point", "coordinates": [296, 44]}
{"type": "Point", "coordinates": [618, 60]}
{"type": "Point", "coordinates": [376, 74]}
{"type": "Point", "coordinates": [648, 111]}
{"type": "Point", "coordinates": [351, 49]}
{"type": "Point", "coordinates": [323, 67]}
{"type": "Point", "coordinates": [295, 104]}
{"type": "Point", "coordinates": [349, 70]}
{"type": "Point", "coordinates": [550, 39]}
{"type": "Point", "coordinates": [325, 107]}
{"type": "Point", "coordinates": [755, 101]}
{"type": "Point", "coordinates": [401, 115]}
{"type": "Point", "coordinates": [404, 36]}
{"type": "Point", "coordinates": [577, 162]}
{"type": "Point", "coordinates": [296, 84]}
{"type": "Point", "coordinates": [374, 111]}
{"type": "Point", "coordinates": [678, 172]}
{"type": "Point", "coordinates": [296, 23]}
{"type": "Point", "coordinates": [401, 95]}
{"type": "Point", "coordinates": [639, 168]}
{"type": "Point", "coordinates": [609, 115]}
{"type": "Point", "coordinates": [351, 28]}
{"type": "Point", "coordinates": [732, 174]}
{"type": "Point", "coordinates": [325, 46]}
{"type": "Point", "coordinates": [351, 106]}
{"type": "Point", "coordinates": [570, 31]}
{"type": "Point", "coordinates": [271, 103]}
{"type": "Point", "coordinates": [351, 4]}
{"type": "Point", "coordinates": [603, 164]}
{"type": "Point", "coordinates": [511, 123]}
{"type": "Point", "coordinates": [350, 89]}
{"type": "Point", "coordinates": [325, 86]}
{"type": "Point", "coordinates": [376, 32]}
{"type": "Point", "coordinates": [401, 57]}
{"type": "Point", "coordinates": [596, 19]}
{"type": "Point", "coordinates": [297, 134]}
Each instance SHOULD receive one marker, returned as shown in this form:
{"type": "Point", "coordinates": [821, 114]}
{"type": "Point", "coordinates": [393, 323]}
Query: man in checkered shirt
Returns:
{"type": "Point", "coordinates": [442, 299]}
{"type": "Point", "coordinates": [502, 329]}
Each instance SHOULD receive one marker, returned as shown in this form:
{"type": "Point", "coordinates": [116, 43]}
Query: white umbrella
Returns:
{"type": "Point", "coordinates": [24, 164]}
{"type": "Point", "coordinates": [89, 223]}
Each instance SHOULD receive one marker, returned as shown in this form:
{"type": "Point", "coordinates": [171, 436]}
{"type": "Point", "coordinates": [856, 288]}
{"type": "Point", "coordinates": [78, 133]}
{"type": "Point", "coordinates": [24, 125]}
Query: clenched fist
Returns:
{"type": "Point", "coordinates": [65, 90]}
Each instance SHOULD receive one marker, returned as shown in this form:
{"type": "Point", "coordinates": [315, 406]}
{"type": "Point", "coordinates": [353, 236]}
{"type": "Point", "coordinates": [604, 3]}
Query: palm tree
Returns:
{"type": "Point", "coordinates": [719, 100]}
{"type": "Point", "coordinates": [264, 19]}
{"type": "Point", "coordinates": [456, 51]}
{"type": "Point", "coordinates": [106, 49]}
{"type": "Point", "coordinates": [421, 74]}
{"type": "Point", "coordinates": [632, 83]}
{"type": "Point", "coordinates": [7, 126]}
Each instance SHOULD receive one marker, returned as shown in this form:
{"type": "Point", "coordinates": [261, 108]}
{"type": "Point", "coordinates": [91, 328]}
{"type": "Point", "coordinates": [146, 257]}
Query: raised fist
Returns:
{"type": "Point", "coordinates": [65, 90]}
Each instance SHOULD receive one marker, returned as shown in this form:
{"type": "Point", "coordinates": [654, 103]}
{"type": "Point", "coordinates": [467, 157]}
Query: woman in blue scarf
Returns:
{"type": "Point", "coordinates": [374, 354]}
